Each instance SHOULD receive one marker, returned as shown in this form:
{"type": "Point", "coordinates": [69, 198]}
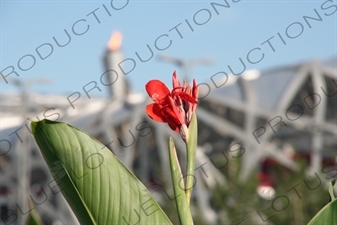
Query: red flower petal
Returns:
{"type": "Point", "coordinates": [175, 107]}
{"type": "Point", "coordinates": [168, 113]}
{"type": "Point", "coordinates": [154, 112]}
{"type": "Point", "coordinates": [195, 90]}
{"type": "Point", "coordinates": [177, 115]}
{"type": "Point", "coordinates": [173, 126]}
{"type": "Point", "coordinates": [186, 97]}
{"type": "Point", "coordinates": [175, 81]}
{"type": "Point", "coordinates": [157, 90]}
{"type": "Point", "coordinates": [188, 90]}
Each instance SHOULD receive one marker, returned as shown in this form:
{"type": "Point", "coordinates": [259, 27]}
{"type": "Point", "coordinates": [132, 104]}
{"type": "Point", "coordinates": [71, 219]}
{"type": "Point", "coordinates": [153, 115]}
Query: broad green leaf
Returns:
{"type": "Point", "coordinates": [327, 215]}
{"type": "Point", "coordinates": [183, 208]}
{"type": "Point", "coordinates": [97, 186]}
{"type": "Point", "coordinates": [191, 147]}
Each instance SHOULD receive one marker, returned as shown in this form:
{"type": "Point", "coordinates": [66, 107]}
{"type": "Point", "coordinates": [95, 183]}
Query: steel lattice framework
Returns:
{"type": "Point", "coordinates": [265, 113]}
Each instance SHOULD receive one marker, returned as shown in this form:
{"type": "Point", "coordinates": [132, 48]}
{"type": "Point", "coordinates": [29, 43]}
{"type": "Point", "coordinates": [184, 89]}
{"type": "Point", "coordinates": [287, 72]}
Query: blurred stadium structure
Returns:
{"type": "Point", "coordinates": [245, 114]}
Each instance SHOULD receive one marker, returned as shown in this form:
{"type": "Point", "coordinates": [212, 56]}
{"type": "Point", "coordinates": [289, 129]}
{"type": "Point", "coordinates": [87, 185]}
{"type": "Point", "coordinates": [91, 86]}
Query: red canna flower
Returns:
{"type": "Point", "coordinates": [172, 107]}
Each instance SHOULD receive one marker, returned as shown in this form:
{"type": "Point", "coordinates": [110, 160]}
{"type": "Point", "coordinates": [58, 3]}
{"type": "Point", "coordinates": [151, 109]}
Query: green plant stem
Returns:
{"type": "Point", "coordinates": [183, 208]}
{"type": "Point", "coordinates": [191, 147]}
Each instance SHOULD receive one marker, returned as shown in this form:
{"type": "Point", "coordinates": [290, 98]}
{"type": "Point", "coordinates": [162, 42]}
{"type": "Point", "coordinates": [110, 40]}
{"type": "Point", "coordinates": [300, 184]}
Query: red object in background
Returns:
{"type": "Point", "coordinates": [267, 179]}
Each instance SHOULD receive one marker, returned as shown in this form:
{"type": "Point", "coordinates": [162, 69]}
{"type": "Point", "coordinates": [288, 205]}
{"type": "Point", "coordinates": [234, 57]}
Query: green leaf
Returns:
{"type": "Point", "coordinates": [332, 183]}
{"type": "Point", "coordinates": [191, 147]}
{"type": "Point", "coordinates": [97, 186]}
{"type": "Point", "coordinates": [327, 215]}
{"type": "Point", "coordinates": [33, 218]}
{"type": "Point", "coordinates": [183, 208]}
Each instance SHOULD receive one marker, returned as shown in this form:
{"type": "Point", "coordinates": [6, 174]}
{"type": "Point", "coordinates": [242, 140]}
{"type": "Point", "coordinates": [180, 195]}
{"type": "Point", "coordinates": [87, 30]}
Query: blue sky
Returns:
{"type": "Point", "coordinates": [224, 34]}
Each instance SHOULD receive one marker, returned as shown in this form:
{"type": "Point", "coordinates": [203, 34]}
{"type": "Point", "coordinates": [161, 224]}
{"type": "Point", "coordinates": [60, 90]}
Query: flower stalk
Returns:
{"type": "Point", "coordinates": [191, 147]}
{"type": "Point", "coordinates": [177, 109]}
{"type": "Point", "coordinates": [183, 208]}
